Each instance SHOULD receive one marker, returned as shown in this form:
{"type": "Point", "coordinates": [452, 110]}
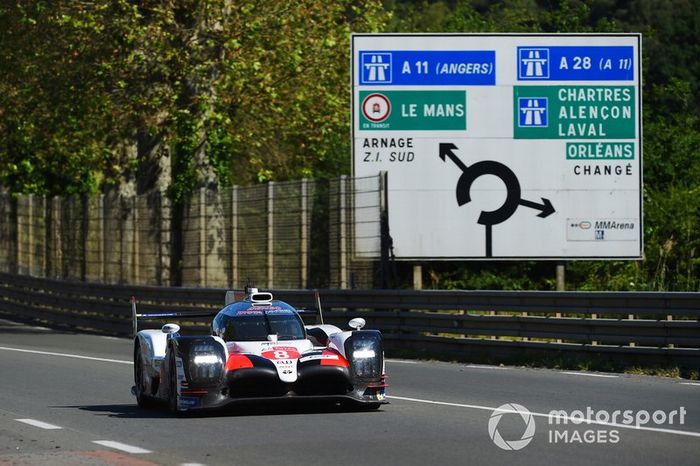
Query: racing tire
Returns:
{"type": "Point", "coordinates": [142, 400]}
{"type": "Point", "coordinates": [172, 386]}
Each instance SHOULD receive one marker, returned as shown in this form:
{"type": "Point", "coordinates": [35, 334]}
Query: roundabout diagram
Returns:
{"type": "Point", "coordinates": [513, 200]}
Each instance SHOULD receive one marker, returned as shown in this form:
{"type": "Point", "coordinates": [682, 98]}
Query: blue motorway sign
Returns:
{"type": "Point", "coordinates": [428, 67]}
{"type": "Point", "coordinates": [576, 63]}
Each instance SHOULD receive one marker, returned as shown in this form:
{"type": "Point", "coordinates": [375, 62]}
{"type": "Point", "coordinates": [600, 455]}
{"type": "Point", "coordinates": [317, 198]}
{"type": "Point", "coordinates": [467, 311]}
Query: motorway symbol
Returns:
{"type": "Point", "coordinates": [376, 68]}
{"type": "Point", "coordinates": [513, 195]}
{"type": "Point", "coordinates": [532, 112]}
{"type": "Point", "coordinates": [533, 63]}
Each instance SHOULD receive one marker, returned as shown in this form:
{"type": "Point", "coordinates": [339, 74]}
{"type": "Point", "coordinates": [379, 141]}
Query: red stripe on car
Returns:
{"type": "Point", "coordinates": [332, 358]}
{"type": "Point", "coordinates": [238, 361]}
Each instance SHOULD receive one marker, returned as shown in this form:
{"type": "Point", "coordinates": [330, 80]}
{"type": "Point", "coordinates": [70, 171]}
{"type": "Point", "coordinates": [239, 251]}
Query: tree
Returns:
{"type": "Point", "coordinates": [235, 91]}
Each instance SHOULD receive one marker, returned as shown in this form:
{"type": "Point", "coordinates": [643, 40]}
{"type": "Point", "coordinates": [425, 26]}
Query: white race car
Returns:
{"type": "Point", "coordinates": [259, 348]}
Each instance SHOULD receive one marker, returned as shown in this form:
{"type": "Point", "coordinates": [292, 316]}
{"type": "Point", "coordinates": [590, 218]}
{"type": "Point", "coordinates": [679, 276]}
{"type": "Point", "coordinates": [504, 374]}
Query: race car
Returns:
{"type": "Point", "coordinates": [259, 349]}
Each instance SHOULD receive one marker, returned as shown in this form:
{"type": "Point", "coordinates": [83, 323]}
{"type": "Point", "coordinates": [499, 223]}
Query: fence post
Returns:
{"type": "Point", "coordinates": [304, 246]}
{"type": "Point", "coordinates": [30, 235]}
{"type": "Point", "coordinates": [101, 255]}
{"type": "Point", "coordinates": [561, 286]}
{"type": "Point", "coordinates": [202, 238]}
{"type": "Point", "coordinates": [343, 232]}
{"type": "Point", "coordinates": [136, 263]}
{"type": "Point", "coordinates": [385, 243]}
{"type": "Point", "coordinates": [45, 240]}
{"type": "Point", "coordinates": [417, 277]}
{"type": "Point", "coordinates": [631, 317]}
{"type": "Point", "coordinates": [57, 246]}
{"type": "Point", "coordinates": [561, 276]}
{"type": "Point", "coordinates": [234, 237]}
{"type": "Point", "coordinates": [165, 237]}
{"type": "Point", "coordinates": [270, 235]}
{"type": "Point", "coordinates": [594, 317]}
{"type": "Point", "coordinates": [19, 252]}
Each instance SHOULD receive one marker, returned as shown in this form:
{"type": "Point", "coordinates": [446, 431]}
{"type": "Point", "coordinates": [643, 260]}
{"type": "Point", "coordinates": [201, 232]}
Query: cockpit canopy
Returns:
{"type": "Point", "coordinates": [251, 321]}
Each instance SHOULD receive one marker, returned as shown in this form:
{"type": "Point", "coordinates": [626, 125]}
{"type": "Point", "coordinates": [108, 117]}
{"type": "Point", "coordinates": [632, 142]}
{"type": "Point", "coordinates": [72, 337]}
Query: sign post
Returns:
{"type": "Point", "coordinates": [503, 146]}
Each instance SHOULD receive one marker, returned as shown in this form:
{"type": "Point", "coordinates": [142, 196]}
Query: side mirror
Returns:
{"type": "Point", "coordinates": [357, 323]}
{"type": "Point", "coordinates": [170, 328]}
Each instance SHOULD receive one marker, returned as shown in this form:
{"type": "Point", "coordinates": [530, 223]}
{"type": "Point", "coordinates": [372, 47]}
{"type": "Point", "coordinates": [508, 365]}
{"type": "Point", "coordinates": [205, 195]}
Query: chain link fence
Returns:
{"type": "Point", "coordinates": [297, 234]}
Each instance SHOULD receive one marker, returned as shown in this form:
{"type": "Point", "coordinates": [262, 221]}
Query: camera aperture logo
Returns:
{"type": "Point", "coordinates": [587, 426]}
{"type": "Point", "coordinates": [528, 434]}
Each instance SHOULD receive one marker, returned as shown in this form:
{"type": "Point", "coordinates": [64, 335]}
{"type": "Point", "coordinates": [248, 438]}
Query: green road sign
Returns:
{"type": "Point", "coordinates": [413, 110]}
{"type": "Point", "coordinates": [574, 112]}
{"type": "Point", "coordinates": [600, 150]}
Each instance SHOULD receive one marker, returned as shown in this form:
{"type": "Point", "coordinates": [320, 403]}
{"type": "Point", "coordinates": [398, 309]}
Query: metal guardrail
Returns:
{"type": "Point", "coordinates": [653, 326]}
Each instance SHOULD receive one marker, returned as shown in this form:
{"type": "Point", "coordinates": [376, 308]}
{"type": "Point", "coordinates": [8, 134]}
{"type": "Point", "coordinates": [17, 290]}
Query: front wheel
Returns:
{"type": "Point", "coordinates": [142, 399]}
{"type": "Point", "coordinates": [172, 385]}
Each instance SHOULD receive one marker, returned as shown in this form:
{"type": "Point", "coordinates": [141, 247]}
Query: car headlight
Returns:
{"type": "Point", "coordinates": [206, 363]}
{"type": "Point", "coordinates": [363, 353]}
{"type": "Point", "coordinates": [364, 349]}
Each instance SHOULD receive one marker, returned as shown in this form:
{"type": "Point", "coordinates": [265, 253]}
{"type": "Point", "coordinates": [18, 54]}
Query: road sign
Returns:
{"type": "Point", "coordinates": [413, 110]}
{"type": "Point", "coordinates": [503, 146]}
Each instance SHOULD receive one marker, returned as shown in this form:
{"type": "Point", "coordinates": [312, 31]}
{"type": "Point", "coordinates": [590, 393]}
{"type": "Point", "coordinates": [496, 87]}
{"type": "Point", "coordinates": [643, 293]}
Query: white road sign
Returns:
{"type": "Point", "coordinates": [503, 146]}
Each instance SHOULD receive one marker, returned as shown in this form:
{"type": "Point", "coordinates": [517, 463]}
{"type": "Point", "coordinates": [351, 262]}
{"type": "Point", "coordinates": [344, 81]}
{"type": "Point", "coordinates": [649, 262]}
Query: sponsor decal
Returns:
{"type": "Point", "coordinates": [285, 360]}
{"type": "Point", "coordinates": [250, 312]}
{"type": "Point", "coordinates": [311, 357]}
{"type": "Point", "coordinates": [583, 224]}
{"type": "Point", "coordinates": [188, 402]}
{"type": "Point", "coordinates": [332, 358]}
{"type": "Point", "coordinates": [281, 352]}
{"type": "Point", "coordinates": [602, 229]}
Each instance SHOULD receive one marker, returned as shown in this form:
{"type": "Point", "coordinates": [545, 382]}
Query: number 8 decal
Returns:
{"type": "Point", "coordinates": [281, 354]}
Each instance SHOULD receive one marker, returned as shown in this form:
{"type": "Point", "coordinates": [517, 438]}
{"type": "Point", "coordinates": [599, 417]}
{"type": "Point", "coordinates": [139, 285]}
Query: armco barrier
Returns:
{"type": "Point", "coordinates": [651, 327]}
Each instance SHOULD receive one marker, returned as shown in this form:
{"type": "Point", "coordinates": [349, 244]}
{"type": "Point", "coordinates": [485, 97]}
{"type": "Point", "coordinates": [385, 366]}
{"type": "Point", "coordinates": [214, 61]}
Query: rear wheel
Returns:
{"type": "Point", "coordinates": [142, 399]}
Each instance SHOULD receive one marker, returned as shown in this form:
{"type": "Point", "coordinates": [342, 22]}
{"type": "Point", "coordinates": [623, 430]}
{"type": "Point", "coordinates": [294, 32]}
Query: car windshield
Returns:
{"type": "Point", "coordinates": [256, 327]}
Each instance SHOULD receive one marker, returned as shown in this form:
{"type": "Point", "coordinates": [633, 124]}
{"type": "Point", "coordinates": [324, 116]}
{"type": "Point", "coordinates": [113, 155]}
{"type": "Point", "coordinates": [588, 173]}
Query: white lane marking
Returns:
{"type": "Point", "coordinates": [690, 383]}
{"type": "Point", "coordinates": [192, 464]}
{"type": "Point", "coordinates": [586, 374]}
{"type": "Point", "coordinates": [471, 366]}
{"type": "Point", "coordinates": [479, 366]}
{"type": "Point", "coordinates": [65, 355]}
{"type": "Point", "coordinates": [574, 420]}
{"type": "Point", "coordinates": [122, 446]}
{"type": "Point", "coordinates": [39, 424]}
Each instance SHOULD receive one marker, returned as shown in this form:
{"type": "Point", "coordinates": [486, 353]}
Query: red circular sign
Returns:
{"type": "Point", "coordinates": [376, 107]}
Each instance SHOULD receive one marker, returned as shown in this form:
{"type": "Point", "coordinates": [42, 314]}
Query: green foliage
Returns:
{"type": "Point", "coordinates": [246, 92]}
{"type": "Point", "coordinates": [261, 87]}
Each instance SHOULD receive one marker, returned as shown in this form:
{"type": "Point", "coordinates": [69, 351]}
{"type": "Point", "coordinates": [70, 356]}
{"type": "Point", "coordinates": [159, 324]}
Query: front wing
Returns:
{"type": "Point", "coordinates": [317, 379]}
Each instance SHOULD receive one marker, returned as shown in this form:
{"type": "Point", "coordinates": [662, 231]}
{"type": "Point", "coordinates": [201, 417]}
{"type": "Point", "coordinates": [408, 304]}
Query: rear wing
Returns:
{"type": "Point", "coordinates": [135, 315]}
{"type": "Point", "coordinates": [313, 312]}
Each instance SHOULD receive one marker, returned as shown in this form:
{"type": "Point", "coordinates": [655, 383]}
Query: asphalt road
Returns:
{"type": "Point", "coordinates": [65, 400]}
